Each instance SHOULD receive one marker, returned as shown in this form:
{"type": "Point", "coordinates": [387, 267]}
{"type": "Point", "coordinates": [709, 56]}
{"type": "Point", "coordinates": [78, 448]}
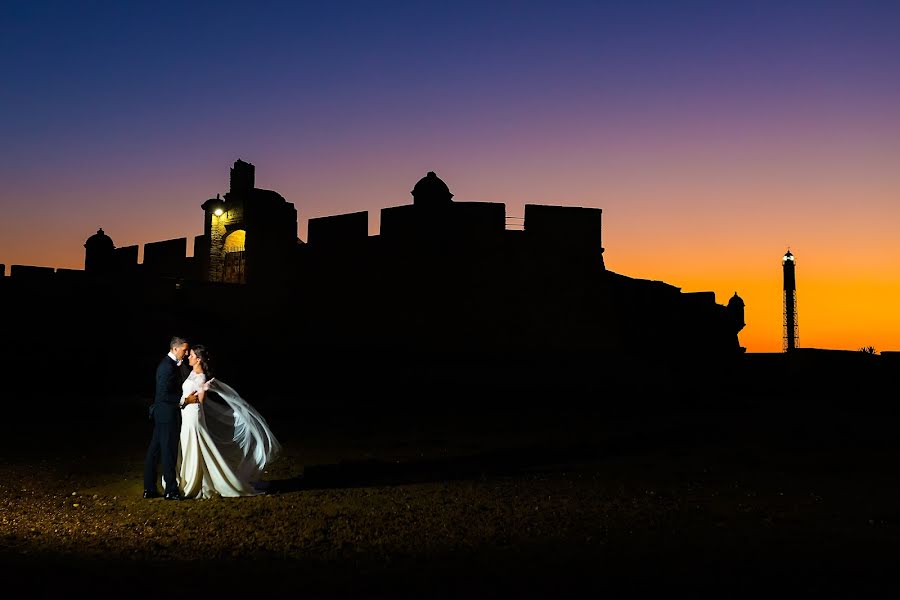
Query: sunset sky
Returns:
{"type": "Point", "coordinates": [714, 135]}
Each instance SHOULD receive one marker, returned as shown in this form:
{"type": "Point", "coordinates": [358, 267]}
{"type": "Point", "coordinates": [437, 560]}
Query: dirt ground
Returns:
{"type": "Point", "coordinates": [528, 504]}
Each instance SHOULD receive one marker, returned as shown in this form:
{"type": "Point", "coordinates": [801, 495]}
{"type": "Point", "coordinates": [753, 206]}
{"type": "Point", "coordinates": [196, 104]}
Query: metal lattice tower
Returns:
{"type": "Point", "coordinates": [791, 330]}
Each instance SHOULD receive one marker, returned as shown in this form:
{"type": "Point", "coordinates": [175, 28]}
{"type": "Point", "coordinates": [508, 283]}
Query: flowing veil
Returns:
{"type": "Point", "coordinates": [239, 431]}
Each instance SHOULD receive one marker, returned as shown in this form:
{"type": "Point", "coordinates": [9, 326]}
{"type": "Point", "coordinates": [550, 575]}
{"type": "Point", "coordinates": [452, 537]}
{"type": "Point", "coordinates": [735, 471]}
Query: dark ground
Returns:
{"type": "Point", "coordinates": [470, 502]}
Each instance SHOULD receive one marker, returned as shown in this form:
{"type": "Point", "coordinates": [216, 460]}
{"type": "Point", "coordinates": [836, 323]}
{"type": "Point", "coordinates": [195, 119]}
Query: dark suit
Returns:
{"type": "Point", "coordinates": [166, 426]}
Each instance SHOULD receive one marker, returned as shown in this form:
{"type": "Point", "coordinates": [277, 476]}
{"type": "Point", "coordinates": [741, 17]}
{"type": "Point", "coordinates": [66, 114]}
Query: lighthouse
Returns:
{"type": "Point", "coordinates": [791, 332]}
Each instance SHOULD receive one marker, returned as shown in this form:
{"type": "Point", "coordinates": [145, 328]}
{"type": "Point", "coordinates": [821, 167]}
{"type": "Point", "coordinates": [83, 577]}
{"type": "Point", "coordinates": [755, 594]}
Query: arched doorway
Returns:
{"type": "Point", "coordinates": [235, 257]}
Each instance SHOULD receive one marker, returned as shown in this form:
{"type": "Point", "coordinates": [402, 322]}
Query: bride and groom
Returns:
{"type": "Point", "coordinates": [207, 448]}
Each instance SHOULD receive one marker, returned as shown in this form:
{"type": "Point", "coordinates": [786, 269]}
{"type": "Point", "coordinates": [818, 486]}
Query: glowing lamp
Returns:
{"type": "Point", "coordinates": [218, 212]}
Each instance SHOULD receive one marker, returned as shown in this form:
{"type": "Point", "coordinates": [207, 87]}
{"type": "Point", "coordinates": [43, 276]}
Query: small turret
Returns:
{"type": "Point", "coordinates": [99, 253]}
{"type": "Point", "coordinates": [431, 191]}
{"type": "Point", "coordinates": [736, 312]}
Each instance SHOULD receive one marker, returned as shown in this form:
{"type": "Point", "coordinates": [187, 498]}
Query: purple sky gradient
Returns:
{"type": "Point", "coordinates": [712, 134]}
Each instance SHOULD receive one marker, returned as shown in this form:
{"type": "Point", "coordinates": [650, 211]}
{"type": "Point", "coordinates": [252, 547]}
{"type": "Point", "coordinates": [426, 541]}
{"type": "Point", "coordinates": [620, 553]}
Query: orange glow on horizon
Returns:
{"type": "Point", "coordinates": [694, 232]}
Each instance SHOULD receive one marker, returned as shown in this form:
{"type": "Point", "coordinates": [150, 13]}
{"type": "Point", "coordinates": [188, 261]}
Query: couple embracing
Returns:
{"type": "Point", "coordinates": [209, 445]}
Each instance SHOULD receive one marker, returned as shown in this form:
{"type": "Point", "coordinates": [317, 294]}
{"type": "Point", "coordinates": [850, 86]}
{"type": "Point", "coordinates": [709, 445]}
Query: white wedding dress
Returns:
{"type": "Point", "coordinates": [225, 443]}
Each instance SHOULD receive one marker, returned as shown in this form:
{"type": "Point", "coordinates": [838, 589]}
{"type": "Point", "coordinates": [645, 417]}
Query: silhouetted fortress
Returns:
{"type": "Point", "coordinates": [445, 292]}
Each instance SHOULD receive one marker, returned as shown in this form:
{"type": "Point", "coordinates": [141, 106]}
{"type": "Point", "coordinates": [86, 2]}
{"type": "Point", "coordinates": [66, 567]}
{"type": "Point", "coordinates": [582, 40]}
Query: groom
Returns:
{"type": "Point", "coordinates": [166, 412]}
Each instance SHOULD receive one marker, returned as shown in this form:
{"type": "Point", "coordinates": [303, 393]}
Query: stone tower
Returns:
{"type": "Point", "coordinates": [249, 235]}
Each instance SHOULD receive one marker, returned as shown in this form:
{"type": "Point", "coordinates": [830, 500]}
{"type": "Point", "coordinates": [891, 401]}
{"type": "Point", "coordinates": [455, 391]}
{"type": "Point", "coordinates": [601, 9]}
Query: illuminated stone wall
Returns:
{"type": "Point", "coordinates": [232, 219]}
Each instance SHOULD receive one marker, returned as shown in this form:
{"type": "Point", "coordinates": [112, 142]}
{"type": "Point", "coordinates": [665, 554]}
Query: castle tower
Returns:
{"type": "Point", "coordinates": [242, 177]}
{"type": "Point", "coordinates": [791, 332]}
{"type": "Point", "coordinates": [249, 235]}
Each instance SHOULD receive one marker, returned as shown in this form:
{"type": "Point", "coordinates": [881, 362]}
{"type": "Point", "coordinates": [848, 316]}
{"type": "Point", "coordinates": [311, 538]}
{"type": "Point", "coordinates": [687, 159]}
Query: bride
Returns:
{"type": "Point", "coordinates": [224, 446]}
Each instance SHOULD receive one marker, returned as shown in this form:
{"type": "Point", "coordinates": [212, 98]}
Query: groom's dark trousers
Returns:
{"type": "Point", "coordinates": [166, 427]}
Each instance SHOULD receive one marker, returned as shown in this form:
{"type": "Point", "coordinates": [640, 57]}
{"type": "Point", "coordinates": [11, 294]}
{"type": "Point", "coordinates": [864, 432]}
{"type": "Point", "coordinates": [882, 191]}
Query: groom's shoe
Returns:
{"type": "Point", "coordinates": [151, 494]}
{"type": "Point", "coordinates": [174, 496]}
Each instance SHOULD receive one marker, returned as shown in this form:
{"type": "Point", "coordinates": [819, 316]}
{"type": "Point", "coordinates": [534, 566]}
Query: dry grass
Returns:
{"type": "Point", "coordinates": [445, 506]}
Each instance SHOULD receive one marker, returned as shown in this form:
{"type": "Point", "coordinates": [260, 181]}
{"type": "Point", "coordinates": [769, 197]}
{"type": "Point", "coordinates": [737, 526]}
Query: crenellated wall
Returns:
{"type": "Point", "coordinates": [441, 276]}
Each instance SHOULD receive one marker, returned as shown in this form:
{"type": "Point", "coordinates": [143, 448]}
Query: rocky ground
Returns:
{"type": "Point", "coordinates": [536, 505]}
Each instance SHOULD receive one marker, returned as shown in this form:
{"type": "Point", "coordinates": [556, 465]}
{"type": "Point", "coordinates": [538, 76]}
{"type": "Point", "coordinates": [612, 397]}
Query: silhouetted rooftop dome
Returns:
{"type": "Point", "coordinates": [99, 240]}
{"type": "Point", "coordinates": [431, 190]}
{"type": "Point", "coordinates": [736, 300]}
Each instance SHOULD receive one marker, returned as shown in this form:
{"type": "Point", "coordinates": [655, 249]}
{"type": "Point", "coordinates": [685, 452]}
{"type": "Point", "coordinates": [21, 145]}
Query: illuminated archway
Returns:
{"type": "Point", "coordinates": [235, 257]}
